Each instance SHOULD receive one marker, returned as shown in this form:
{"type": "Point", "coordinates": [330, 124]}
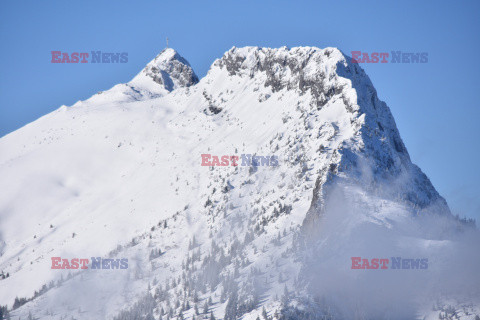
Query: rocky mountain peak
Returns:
{"type": "Point", "coordinates": [168, 69]}
{"type": "Point", "coordinates": [338, 99]}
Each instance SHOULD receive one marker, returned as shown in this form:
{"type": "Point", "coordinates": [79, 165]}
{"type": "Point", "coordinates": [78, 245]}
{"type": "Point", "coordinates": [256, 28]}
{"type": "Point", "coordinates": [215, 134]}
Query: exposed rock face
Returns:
{"type": "Point", "coordinates": [328, 76]}
{"type": "Point", "coordinates": [170, 70]}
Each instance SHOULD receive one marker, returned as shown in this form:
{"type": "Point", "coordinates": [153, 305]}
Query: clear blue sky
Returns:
{"type": "Point", "coordinates": [436, 105]}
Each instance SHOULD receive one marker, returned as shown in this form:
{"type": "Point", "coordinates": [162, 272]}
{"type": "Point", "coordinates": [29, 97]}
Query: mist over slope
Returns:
{"type": "Point", "coordinates": [120, 176]}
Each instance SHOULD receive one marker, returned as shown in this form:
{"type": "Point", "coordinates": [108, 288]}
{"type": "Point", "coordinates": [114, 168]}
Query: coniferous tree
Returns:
{"type": "Point", "coordinates": [232, 307]}
{"type": "Point", "coordinates": [285, 297]}
{"type": "Point", "coordinates": [4, 314]}
{"type": "Point", "coordinates": [180, 315]}
{"type": "Point", "coordinates": [264, 314]}
{"type": "Point", "coordinates": [223, 296]}
{"type": "Point", "coordinates": [18, 302]}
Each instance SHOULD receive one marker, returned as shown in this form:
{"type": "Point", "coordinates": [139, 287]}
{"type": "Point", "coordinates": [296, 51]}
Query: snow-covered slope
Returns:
{"type": "Point", "coordinates": [119, 175]}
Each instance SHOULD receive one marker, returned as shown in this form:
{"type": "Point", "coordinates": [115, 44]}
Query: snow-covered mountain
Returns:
{"type": "Point", "coordinates": [120, 175]}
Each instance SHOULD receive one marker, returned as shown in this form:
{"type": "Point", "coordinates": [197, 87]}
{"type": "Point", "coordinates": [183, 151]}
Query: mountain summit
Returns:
{"type": "Point", "coordinates": [168, 69]}
{"type": "Point", "coordinates": [167, 72]}
{"type": "Point", "coordinates": [120, 176]}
